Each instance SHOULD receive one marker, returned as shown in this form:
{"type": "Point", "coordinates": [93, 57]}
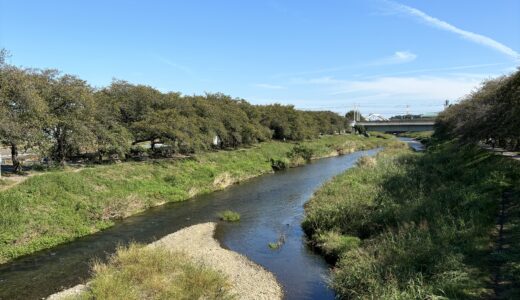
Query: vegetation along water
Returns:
{"type": "Point", "coordinates": [440, 224]}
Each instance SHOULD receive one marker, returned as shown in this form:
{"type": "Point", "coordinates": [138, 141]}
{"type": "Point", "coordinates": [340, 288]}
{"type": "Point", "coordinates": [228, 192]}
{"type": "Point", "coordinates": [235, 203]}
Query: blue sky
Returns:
{"type": "Point", "coordinates": [377, 54]}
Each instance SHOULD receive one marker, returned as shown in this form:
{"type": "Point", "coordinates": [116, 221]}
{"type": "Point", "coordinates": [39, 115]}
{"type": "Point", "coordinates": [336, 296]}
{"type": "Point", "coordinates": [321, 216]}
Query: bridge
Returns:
{"type": "Point", "coordinates": [398, 125]}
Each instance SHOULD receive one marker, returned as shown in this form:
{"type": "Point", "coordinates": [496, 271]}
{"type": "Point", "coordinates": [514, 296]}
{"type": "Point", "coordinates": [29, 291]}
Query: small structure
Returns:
{"type": "Point", "coordinates": [217, 142]}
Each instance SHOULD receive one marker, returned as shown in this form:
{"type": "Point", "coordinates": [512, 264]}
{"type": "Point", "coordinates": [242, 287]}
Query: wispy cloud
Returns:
{"type": "Point", "coordinates": [269, 86]}
{"type": "Point", "coordinates": [430, 70]}
{"type": "Point", "coordinates": [400, 88]}
{"type": "Point", "coordinates": [474, 37]}
{"type": "Point", "coordinates": [399, 57]}
{"type": "Point", "coordinates": [177, 66]}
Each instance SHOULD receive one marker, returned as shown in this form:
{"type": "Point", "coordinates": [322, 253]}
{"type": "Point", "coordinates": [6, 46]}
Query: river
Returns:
{"type": "Point", "coordinates": [270, 206]}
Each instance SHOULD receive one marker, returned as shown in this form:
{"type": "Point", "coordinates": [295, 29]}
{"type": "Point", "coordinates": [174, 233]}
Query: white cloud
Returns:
{"type": "Point", "coordinates": [474, 37]}
{"type": "Point", "coordinates": [400, 88]}
{"type": "Point", "coordinates": [269, 86]}
{"type": "Point", "coordinates": [410, 87]}
{"type": "Point", "coordinates": [399, 57]}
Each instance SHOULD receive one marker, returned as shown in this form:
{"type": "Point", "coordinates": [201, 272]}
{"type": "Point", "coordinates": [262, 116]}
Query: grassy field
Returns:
{"type": "Point", "coordinates": [59, 206]}
{"type": "Point", "coordinates": [419, 226]}
{"type": "Point", "coordinates": [136, 272]}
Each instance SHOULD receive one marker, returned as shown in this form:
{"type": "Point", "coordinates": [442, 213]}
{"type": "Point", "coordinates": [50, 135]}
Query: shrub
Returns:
{"type": "Point", "coordinates": [301, 151]}
{"type": "Point", "coordinates": [279, 163]}
{"type": "Point", "coordinates": [229, 216]}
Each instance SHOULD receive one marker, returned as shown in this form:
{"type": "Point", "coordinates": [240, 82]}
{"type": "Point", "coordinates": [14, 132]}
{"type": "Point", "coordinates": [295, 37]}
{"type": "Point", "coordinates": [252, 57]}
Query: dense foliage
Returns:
{"type": "Point", "coordinates": [490, 114]}
{"type": "Point", "coordinates": [418, 226]}
{"type": "Point", "coordinates": [63, 117]}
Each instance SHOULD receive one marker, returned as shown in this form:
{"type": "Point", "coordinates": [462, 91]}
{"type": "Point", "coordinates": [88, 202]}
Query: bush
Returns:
{"type": "Point", "coordinates": [301, 151]}
{"type": "Point", "coordinates": [138, 151]}
{"type": "Point", "coordinates": [279, 163]}
{"type": "Point", "coordinates": [229, 216]}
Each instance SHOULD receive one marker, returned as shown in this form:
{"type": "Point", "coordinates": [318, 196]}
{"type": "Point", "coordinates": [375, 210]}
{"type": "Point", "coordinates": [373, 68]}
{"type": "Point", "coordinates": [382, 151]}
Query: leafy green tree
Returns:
{"type": "Point", "coordinates": [71, 109]}
{"type": "Point", "coordinates": [491, 113]}
{"type": "Point", "coordinates": [23, 113]}
{"type": "Point", "coordinates": [112, 138]}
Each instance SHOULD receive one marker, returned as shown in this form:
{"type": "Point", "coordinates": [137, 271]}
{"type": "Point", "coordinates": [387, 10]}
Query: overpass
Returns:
{"type": "Point", "coordinates": [398, 125]}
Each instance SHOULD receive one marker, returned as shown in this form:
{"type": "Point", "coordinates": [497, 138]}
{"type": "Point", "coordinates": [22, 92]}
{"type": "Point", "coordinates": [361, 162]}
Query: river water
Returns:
{"type": "Point", "coordinates": [413, 143]}
{"type": "Point", "coordinates": [270, 206]}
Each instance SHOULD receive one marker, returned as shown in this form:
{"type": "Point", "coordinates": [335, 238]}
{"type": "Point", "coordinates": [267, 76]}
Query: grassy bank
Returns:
{"type": "Point", "coordinates": [136, 272]}
{"type": "Point", "coordinates": [419, 226]}
{"type": "Point", "coordinates": [57, 207]}
{"type": "Point", "coordinates": [424, 137]}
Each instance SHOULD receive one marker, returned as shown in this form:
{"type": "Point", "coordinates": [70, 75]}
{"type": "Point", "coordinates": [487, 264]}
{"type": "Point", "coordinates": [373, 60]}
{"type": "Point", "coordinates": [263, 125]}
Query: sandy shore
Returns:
{"type": "Point", "coordinates": [248, 280]}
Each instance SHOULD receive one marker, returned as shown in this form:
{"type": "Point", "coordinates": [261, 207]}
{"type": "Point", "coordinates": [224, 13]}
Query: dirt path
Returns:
{"type": "Point", "coordinates": [501, 284]}
{"type": "Point", "coordinates": [500, 151]}
{"type": "Point", "coordinates": [507, 240]}
{"type": "Point", "coordinates": [248, 280]}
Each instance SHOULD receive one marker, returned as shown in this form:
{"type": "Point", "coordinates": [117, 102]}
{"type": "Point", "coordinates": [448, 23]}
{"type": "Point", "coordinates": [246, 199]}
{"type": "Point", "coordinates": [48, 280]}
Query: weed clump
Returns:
{"type": "Point", "coordinates": [280, 163]}
{"type": "Point", "coordinates": [229, 216]}
{"type": "Point", "coordinates": [137, 272]}
{"type": "Point", "coordinates": [278, 243]}
{"type": "Point", "coordinates": [333, 244]}
{"type": "Point", "coordinates": [366, 162]}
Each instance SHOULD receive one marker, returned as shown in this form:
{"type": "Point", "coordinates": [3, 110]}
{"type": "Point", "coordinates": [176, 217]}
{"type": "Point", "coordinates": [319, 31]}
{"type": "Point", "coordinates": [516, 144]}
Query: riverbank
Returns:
{"type": "Point", "coordinates": [412, 225]}
{"type": "Point", "coordinates": [232, 275]}
{"type": "Point", "coordinates": [59, 206]}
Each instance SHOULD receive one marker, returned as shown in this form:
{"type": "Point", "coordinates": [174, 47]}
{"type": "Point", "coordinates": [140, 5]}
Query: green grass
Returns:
{"type": "Point", "coordinates": [137, 272]}
{"type": "Point", "coordinates": [332, 244]}
{"type": "Point", "coordinates": [274, 245]}
{"type": "Point", "coordinates": [5, 182]}
{"type": "Point", "coordinates": [229, 216]}
{"type": "Point", "coordinates": [424, 137]}
{"type": "Point", "coordinates": [59, 206]}
{"type": "Point", "coordinates": [425, 224]}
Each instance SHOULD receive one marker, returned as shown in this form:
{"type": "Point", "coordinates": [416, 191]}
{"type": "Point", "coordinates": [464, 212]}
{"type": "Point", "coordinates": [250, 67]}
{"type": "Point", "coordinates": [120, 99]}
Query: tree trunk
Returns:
{"type": "Point", "coordinates": [17, 166]}
{"type": "Point", "coordinates": [60, 147]}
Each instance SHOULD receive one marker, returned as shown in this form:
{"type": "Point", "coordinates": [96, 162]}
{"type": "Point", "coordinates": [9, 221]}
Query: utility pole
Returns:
{"type": "Point", "coordinates": [0, 165]}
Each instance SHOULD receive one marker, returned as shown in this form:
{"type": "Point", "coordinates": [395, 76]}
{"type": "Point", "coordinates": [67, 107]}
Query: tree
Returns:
{"type": "Point", "coordinates": [23, 113]}
{"type": "Point", "coordinates": [112, 138]}
{"type": "Point", "coordinates": [71, 109]}
{"type": "Point", "coordinates": [171, 128]}
{"type": "Point", "coordinates": [491, 113]}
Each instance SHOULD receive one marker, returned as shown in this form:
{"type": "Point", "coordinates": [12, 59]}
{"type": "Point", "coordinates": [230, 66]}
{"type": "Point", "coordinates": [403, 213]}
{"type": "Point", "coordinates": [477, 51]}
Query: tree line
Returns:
{"type": "Point", "coordinates": [490, 114]}
{"type": "Point", "coordinates": [62, 117]}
